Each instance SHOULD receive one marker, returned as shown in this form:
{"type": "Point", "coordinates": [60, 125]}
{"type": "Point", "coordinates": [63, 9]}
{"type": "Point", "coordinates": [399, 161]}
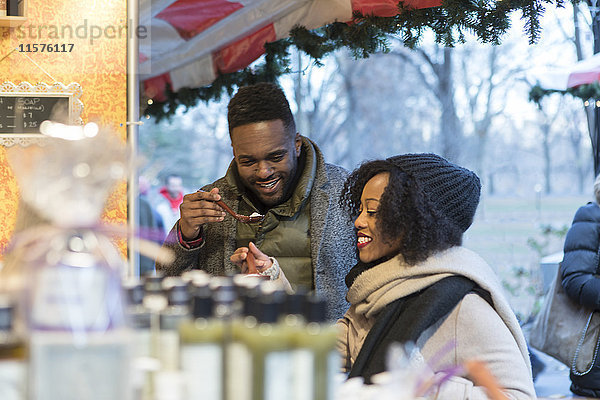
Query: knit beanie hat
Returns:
{"type": "Point", "coordinates": [453, 190]}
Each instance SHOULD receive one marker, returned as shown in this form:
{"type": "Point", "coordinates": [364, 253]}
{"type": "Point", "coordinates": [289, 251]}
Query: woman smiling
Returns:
{"type": "Point", "coordinates": [416, 283]}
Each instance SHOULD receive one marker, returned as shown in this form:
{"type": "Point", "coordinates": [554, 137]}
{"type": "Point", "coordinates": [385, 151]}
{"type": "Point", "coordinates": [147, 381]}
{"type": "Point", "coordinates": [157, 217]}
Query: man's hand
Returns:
{"type": "Point", "coordinates": [240, 258]}
{"type": "Point", "coordinates": [199, 208]}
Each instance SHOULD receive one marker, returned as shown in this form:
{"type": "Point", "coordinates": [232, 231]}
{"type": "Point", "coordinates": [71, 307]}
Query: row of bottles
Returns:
{"type": "Point", "coordinates": [222, 338]}
{"type": "Point", "coordinates": [180, 338]}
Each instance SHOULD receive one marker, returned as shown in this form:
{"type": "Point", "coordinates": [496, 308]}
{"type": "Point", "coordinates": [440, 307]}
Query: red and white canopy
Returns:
{"type": "Point", "coordinates": [563, 78]}
{"type": "Point", "coordinates": [191, 41]}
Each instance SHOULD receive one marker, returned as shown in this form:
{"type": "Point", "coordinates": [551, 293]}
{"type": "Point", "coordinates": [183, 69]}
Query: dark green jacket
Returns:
{"type": "Point", "coordinates": [332, 237]}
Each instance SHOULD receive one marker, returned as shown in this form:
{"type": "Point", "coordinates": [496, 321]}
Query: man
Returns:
{"type": "Point", "coordinates": [282, 175]}
{"type": "Point", "coordinates": [169, 199]}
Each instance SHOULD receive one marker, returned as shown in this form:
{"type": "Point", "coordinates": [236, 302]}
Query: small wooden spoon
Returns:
{"type": "Point", "coordinates": [242, 218]}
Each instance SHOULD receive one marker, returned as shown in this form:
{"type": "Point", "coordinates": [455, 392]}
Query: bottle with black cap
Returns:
{"type": "Point", "coordinates": [12, 355]}
{"type": "Point", "coordinates": [238, 366]}
{"type": "Point", "coordinates": [225, 296]}
{"type": "Point", "coordinates": [176, 312]}
{"type": "Point", "coordinates": [293, 322]}
{"type": "Point", "coordinates": [201, 347]}
{"type": "Point", "coordinates": [171, 304]}
{"type": "Point", "coordinates": [193, 277]}
{"type": "Point", "coordinates": [269, 348]}
{"type": "Point", "coordinates": [225, 309]}
{"type": "Point", "coordinates": [320, 336]}
{"type": "Point", "coordinates": [155, 300]}
{"type": "Point", "coordinates": [137, 316]}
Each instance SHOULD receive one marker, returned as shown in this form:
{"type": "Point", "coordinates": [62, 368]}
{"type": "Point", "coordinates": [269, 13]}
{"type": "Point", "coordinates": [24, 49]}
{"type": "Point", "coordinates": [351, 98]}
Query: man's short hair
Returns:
{"type": "Point", "coordinates": [258, 103]}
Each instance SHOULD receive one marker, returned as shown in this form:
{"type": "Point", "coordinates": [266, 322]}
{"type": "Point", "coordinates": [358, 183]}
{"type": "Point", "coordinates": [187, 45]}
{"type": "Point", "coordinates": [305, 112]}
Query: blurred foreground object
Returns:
{"type": "Point", "coordinates": [62, 269]}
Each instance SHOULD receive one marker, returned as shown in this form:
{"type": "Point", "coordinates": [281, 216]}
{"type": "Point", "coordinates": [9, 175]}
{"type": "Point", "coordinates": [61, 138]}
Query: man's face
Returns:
{"type": "Point", "coordinates": [267, 158]}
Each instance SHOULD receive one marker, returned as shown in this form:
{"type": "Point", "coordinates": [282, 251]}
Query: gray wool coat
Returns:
{"type": "Point", "coordinates": [332, 238]}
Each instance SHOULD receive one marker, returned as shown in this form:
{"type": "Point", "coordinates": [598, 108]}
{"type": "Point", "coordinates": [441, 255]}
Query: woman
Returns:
{"type": "Point", "coordinates": [415, 283]}
{"type": "Point", "coordinates": [580, 269]}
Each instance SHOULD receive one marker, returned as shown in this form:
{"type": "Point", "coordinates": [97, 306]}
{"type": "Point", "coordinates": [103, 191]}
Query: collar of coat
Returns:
{"type": "Point", "coordinates": [378, 286]}
{"type": "Point", "coordinates": [302, 191]}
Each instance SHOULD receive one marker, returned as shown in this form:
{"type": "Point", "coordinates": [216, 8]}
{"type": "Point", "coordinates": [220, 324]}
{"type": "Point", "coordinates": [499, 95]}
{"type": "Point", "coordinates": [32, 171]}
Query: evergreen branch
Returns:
{"type": "Point", "coordinates": [487, 20]}
{"type": "Point", "coordinates": [589, 92]}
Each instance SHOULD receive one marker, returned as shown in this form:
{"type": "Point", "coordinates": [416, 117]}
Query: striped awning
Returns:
{"type": "Point", "coordinates": [190, 42]}
{"type": "Point", "coordinates": [562, 78]}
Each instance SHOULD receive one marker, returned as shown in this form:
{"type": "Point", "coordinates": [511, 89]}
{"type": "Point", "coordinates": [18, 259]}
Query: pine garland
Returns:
{"type": "Point", "coordinates": [488, 20]}
{"type": "Point", "coordinates": [590, 91]}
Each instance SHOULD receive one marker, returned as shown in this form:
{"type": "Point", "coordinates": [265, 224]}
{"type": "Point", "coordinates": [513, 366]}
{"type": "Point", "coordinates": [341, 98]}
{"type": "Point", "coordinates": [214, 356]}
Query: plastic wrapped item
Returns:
{"type": "Point", "coordinates": [76, 286]}
{"type": "Point", "coordinates": [69, 271]}
{"type": "Point", "coordinates": [408, 377]}
{"type": "Point", "coordinates": [68, 181]}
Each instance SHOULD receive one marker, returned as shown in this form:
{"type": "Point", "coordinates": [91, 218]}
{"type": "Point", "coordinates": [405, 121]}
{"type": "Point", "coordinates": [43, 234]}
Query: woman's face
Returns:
{"type": "Point", "coordinates": [371, 245]}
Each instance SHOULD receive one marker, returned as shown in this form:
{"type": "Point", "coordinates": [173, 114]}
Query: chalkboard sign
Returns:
{"type": "Point", "coordinates": [24, 106]}
{"type": "Point", "coordinates": [24, 112]}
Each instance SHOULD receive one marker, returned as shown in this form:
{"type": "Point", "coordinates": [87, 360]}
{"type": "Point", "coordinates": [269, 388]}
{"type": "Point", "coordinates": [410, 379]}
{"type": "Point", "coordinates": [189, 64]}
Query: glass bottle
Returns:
{"type": "Point", "coordinates": [79, 345]}
{"type": "Point", "coordinates": [176, 312]}
{"type": "Point", "coordinates": [138, 319]}
{"type": "Point", "coordinates": [302, 358]}
{"type": "Point", "coordinates": [137, 316]}
{"type": "Point", "coordinates": [269, 347]}
{"type": "Point", "coordinates": [155, 300]}
{"type": "Point", "coordinates": [238, 366]}
{"type": "Point", "coordinates": [201, 348]}
{"type": "Point", "coordinates": [13, 355]}
{"type": "Point", "coordinates": [320, 336]}
{"type": "Point", "coordinates": [224, 309]}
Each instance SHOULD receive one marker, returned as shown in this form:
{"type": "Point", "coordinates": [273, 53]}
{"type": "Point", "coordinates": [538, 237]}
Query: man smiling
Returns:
{"type": "Point", "coordinates": [282, 175]}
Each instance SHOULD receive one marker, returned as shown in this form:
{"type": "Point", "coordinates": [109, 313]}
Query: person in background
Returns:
{"type": "Point", "coordinates": [169, 199]}
{"type": "Point", "coordinates": [580, 269]}
{"type": "Point", "coordinates": [416, 283]}
{"type": "Point", "coordinates": [282, 175]}
{"type": "Point", "coordinates": [151, 226]}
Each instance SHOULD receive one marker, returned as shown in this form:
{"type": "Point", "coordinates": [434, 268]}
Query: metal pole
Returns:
{"type": "Point", "coordinates": [132, 136]}
{"type": "Point", "coordinates": [595, 131]}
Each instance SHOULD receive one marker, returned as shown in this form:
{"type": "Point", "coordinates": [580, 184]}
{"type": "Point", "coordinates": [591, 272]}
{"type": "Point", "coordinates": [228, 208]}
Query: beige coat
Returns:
{"type": "Point", "coordinates": [478, 330]}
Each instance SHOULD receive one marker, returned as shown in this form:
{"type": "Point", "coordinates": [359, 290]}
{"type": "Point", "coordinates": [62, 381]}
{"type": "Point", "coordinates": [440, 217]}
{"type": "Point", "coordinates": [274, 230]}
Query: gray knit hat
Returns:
{"type": "Point", "coordinates": [453, 190]}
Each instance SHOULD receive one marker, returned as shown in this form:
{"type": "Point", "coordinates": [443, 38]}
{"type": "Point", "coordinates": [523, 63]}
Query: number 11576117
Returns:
{"type": "Point", "coordinates": [46, 47]}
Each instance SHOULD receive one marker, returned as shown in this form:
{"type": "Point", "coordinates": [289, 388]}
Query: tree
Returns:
{"type": "Point", "coordinates": [353, 116]}
{"type": "Point", "coordinates": [175, 146]}
{"type": "Point", "coordinates": [582, 164]}
{"type": "Point", "coordinates": [586, 92]}
{"type": "Point", "coordinates": [545, 122]}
